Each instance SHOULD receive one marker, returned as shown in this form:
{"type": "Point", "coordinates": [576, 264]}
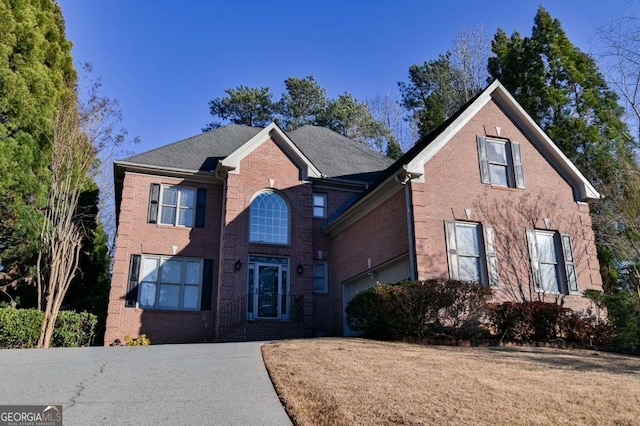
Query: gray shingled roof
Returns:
{"type": "Point", "coordinates": [338, 156]}
{"type": "Point", "coordinates": [200, 152]}
{"type": "Point", "coordinates": [333, 154]}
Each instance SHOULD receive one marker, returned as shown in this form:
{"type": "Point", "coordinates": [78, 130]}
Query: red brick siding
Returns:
{"type": "Point", "coordinates": [452, 184]}
{"type": "Point", "coordinates": [267, 162]}
{"type": "Point", "coordinates": [381, 236]}
{"type": "Point", "coordinates": [136, 236]}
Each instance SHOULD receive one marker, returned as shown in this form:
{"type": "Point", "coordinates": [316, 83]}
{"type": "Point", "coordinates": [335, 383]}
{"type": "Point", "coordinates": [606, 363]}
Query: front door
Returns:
{"type": "Point", "coordinates": [267, 288]}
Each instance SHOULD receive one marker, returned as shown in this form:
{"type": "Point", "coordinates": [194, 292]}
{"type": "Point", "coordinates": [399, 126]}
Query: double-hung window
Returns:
{"type": "Point", "coordinates": [177, 205]}
{"type": "Point", "coordinates": [320, 205]}
{"type": "Point", "coordinates": [500, 162]}
{"type": "Point", "coordinates": [471, 252]}
{"type": "Point", "coordinates": [552, 262]}
{"type": "Point", "coordinates": [320, 277]}
{"type": "Point", "coordinates": [170, 283]}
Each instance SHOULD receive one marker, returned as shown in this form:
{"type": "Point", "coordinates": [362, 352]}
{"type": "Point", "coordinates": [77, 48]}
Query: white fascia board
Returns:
{"type": "Point", "coordinates": [232, 162]}
{"type": "Point", "coordinates": [154, 169]}
{"type": "Point", "coordinates": [416, 165]}
{"type": "Point", "coordinates": [586, 191]}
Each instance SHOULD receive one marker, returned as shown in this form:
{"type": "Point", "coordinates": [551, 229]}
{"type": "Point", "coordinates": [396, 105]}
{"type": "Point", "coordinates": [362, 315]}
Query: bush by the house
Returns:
{"type": "Point", "coordinates": [419, 308]}
{"type": "Point", "coordinates": [543, 322]}
{"type": "Point", "coordinates": [74, 329]}
{"type": "Point", "coordinates": [623, 315]}
{"type": "Point", "coordinates": [141, 340]}
{"type": "Point", "coordinates": [20, 328]}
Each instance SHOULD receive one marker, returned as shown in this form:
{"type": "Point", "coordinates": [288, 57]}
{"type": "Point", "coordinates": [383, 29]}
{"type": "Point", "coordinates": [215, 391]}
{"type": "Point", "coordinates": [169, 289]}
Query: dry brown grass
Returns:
{"type": "Point", "coordinates": [360, 382]}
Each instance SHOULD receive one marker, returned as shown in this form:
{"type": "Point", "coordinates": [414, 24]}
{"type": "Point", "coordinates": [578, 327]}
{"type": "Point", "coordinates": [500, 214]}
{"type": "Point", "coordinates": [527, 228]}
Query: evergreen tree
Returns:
{"type": "Point", "coordinates": [243, 105]}
{"type": "Point", "coordinates": [36, 69]}
{"type": "Point", "coordinates": [304, 102]}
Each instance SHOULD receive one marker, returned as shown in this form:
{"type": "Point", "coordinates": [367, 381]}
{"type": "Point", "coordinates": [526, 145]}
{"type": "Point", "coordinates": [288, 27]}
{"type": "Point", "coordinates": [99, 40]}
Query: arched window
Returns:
{"type": "Point", "coordinates": [269, 221]}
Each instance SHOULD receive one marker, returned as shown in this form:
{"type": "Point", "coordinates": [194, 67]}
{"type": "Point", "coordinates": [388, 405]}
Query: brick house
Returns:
{"type": "Point", "coordinates": [246, 233]}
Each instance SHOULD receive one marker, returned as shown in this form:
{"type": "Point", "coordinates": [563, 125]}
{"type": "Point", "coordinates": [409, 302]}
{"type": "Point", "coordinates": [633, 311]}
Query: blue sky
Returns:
{"type": "Point", "coordinates": [164, 60]}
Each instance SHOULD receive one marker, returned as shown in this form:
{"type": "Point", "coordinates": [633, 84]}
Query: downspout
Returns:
{"type": "Point", "coordinates": [221, 254]}
{"type": "Point", "coordinates": [411, 231]}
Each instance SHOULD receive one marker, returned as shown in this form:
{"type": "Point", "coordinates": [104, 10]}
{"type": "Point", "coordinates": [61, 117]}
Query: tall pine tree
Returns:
{"type": "Point", "coordinates": [36, 69]}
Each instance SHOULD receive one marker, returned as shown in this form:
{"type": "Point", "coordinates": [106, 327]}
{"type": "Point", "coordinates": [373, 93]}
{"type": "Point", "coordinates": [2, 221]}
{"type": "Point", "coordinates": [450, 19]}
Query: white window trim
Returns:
{"type": "Point", "coordinates": [324, 205]}
{"type": "Point", "coordinates": [513, 152]}
{"type": "Point", "coordinates": [325, 277]}
{"type": "Point", "coordinates": [162, 260]}
{"type": "Point", "coordinates": [488, 263]}
{"type": "Point", "coordinates": [562, 263]}
{"type": "Point", "coordinates": [180, 190]}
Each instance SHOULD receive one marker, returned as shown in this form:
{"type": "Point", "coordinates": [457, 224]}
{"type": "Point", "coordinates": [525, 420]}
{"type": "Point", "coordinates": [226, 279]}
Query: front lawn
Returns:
{"type": "Point", "coordinates": [336, 381]}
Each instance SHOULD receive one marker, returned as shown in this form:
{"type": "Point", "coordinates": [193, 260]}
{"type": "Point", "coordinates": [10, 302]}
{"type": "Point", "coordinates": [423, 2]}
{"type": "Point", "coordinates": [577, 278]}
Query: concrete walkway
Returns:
{"type": "Point", "coordinates": [203, 384]}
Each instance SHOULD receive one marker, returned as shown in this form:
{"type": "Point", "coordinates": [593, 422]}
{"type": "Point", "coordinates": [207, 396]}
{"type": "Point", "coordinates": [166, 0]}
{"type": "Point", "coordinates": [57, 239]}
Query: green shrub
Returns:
{"type": "Point", "coordinates": [74, 329]}
{"type": "Point", "coordinates": [623, 315]}
{"type": "Point", "coordinates": [20, 328]}
{"type": "Point", "coordinates": [141, 340]}
{"type": "Point", "coordinates": [419, 308]}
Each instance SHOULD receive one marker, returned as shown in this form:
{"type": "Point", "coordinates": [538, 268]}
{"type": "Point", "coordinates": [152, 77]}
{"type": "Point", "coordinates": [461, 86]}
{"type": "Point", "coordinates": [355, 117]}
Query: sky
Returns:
{"type": "Point", "coordinates": [165, 60]}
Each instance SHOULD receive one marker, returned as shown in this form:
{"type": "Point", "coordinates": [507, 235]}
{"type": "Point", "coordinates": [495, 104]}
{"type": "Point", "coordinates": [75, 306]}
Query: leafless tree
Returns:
{"type": "Point", "coordinates": [388, 111]}
{"type": "Point", "coordinates": [84, 134]}
{"type": "Point", "coordinates": [61, 235]}
{"type": "Point", "coordinates": [471, 50]}
{"type": "Point", "coordinates": [510, 218]}
{"type": "Point", "coordinates": [617, 47]}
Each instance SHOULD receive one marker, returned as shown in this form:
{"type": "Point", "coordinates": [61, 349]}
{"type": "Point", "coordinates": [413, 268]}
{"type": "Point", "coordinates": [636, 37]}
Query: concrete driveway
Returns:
{"type": "Point", "coordinates": [202, 384]}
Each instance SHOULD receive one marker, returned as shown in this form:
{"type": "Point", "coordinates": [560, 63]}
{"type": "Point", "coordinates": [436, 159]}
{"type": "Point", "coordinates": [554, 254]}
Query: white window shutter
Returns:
{"type": "Point", "coordinates": [569, 264]}
{"type": "Point", "coordinates": [485, 177]}
{"type": "Point", "coordinates": [452, 249]}
{"type": "Point", "coordinates": [492, 259]}
{"type": "Point", "coordinates": [534, 259]}
{"type": "Point", "coordinates": [517, 164]}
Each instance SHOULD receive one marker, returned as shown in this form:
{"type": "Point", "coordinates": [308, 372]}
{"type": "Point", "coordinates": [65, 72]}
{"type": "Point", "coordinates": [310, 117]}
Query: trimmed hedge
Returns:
{"type": "Point", "coordinates": [419, 308]}
{"type": "Point", "coordinates": [20, 328]}
{"type": "Point", "coordinates": [544, 322]}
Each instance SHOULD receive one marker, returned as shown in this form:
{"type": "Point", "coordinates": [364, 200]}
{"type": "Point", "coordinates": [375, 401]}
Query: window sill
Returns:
{"type": "Point", "coordinates": [505, 188]}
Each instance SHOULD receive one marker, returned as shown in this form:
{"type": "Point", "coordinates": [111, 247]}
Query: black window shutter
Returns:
{"type": "Point", "coordinates": [154, 198]}
{"type": "Point", "coordinates": [485, 177]}
{"type": "Point", "coordinates": [207, 285]}
{"type": "Point", "coordinates": [201, 203]}
{"type": "Point", "coordinates": [132, 287]}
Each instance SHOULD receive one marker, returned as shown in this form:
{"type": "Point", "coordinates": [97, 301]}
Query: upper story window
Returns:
{"type": "Point", "coordinates": [471, 252]}
{"type": "Point", "coordinates": [269, 219]}
{"type": "Point", "coordinates": [320, 205]}
{"type": "Point", "coordinates": [500, 162]}
{"type": "Point", "coordinates": [552, 262]}
{"type": "Point", "coordinates": [177, 205]}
